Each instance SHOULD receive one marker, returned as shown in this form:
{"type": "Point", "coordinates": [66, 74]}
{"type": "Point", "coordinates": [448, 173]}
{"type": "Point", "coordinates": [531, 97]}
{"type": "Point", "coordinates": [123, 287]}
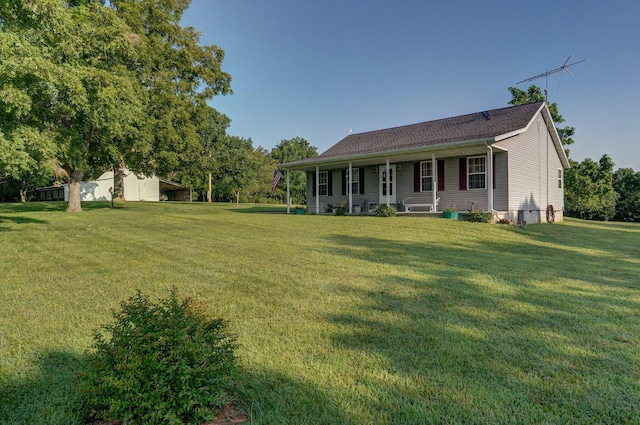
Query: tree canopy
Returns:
{"type": "Point", "coordinates": [289, 150]}
{"type": "Point", "coordinates": [626, 183]}
{"type": "Point", "coordinates": [72, 96]}
{"type": "Point", "coordinates": [88, 86]}
{"type": "Point", "coordinates": [589, 189]}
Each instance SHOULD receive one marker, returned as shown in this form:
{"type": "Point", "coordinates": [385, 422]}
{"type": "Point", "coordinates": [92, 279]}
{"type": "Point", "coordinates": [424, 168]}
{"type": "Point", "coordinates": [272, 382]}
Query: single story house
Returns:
{"type": "Point", "coordinates": [510, 161]}
{"type": "Point", "coordinates": [136, 188]}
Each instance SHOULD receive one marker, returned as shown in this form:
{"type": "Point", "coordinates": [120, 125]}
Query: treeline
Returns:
{"type": "Point", "coordinates": [88, 86]}
{"type": "Point", "coordinates": [593, 191]}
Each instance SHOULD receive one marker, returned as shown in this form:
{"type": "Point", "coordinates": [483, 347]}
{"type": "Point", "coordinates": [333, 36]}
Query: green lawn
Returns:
{"type": "Point", "coordinates": [359, 320]}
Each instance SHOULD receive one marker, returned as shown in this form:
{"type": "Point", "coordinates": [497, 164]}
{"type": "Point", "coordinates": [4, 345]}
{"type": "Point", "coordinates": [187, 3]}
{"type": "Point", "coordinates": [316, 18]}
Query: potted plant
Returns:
{"type": "Point", "coordinates": [450, 212]}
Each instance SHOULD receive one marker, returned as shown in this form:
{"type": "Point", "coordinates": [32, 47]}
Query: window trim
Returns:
{"type": "Point", "coordinates": [324, 185]}
{"type": "Point", "coordinates": [355, 172]}
{"type": "Point", "coordinates": [426, 178]}
{"type": "Point", "coordinates": [476, 173]}
{"type": "Point", "coordinates": [560, 178]}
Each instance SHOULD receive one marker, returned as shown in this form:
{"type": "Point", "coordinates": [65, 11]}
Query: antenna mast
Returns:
{"type": "Point", "coordinates": [564, 67]}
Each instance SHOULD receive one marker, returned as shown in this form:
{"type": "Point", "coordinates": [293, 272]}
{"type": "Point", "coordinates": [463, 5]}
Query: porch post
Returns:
{"type": "Point", "coordinates": [349, 191]}
{"type": "Point", "coordinates": [317, 189]}
{"type": "Point", "coordinates": [489, 179]}
{"type": "Point", "coordinates": [288, 195]}
{"type": "Point", "coordinates": [387, 182]}
{"type": "Point", "coordinates": [434, 180]}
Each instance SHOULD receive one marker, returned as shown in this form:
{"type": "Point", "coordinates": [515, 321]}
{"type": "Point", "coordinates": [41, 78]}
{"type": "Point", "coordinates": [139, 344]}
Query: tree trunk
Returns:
{"type": "Point", "coordinates": [24, 190]}
{"type": "Point", "coordinates": [118, 181]}
{"type": "Point", "coordinates": [75, 179]}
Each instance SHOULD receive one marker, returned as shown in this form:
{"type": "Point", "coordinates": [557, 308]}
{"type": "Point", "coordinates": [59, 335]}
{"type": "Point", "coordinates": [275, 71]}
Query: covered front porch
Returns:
{"type": "Point", "coordinates": [420, 182]}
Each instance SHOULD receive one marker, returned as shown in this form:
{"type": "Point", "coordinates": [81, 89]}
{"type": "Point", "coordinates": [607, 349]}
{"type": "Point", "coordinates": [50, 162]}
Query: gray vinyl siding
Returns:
{"type": "Point", "coordinates": [451, 196]}
{"type": "Point", "coordinates": [531, 175]}
{"type": "Point", "coordinates": [370, 193]}
{"type": "Point", "coordinates": [501, 191]}
{"type": "Point", "coordinates": [556, 194]}
{"type": "Point", "coordinates": [404, 183]}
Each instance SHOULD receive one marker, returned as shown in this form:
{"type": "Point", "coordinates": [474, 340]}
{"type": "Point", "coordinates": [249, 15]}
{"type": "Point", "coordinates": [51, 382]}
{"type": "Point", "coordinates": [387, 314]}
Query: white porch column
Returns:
{"type": "Point", "coordinates": [434, 179]}
{"type": "Point", "coordinates": [317, 189]}
{"type": "Point", "coordinates": [349, 191]}
{"type": "Point", "coordinates": [489, 178]}
{"type": "Point", "coordinates": [387, 182]}
{"type": "Point", "coordinates": [288, 194]}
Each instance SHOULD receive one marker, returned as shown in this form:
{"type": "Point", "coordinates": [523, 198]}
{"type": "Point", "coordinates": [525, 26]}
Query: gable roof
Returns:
{"type": "Point", "coordinates": [480, 125]}
{"type": "Point", "coordinates": [496, 124]}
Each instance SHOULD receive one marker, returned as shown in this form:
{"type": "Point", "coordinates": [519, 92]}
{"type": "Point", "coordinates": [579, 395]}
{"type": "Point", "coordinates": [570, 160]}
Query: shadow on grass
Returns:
{"type": "Point", "coordinates": [18, 219]}
{"type": "Point", "coordinates": [45, 395]}
{"type": "Point", "coordinates": [502, 332]}
{"type": "Point", "coordinates": [271, 398]}
{"type": "Point", "coordinates": [616, 238]}
{"type": "Point", "coordinates": [38, 206]}
{"type": "Point", "coordinates": [267, 209]}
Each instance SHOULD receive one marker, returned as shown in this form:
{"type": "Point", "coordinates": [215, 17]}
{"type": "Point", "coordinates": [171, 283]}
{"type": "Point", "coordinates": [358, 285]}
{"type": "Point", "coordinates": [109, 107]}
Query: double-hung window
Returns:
{"type": "Point", "coordinates": [477, 172]}
{"type": "Point", "coordinates": [323, 183]}
{"type": "Point", "coordinates": [559, 178]}
{"type": "Point", "coordinates": [426, 176]}
{"type": "Point", "coordinates": [355, 181]}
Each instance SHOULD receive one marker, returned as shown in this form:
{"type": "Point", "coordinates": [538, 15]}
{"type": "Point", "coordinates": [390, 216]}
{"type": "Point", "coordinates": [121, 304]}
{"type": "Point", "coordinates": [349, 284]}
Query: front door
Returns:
{"type": "Point", "coordinates": [382, 172]}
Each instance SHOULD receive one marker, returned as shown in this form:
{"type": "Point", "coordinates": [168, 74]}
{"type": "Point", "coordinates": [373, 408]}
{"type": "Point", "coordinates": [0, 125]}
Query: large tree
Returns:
{"type": "Point", "coordinates": [196, 164]}
{"type": "Point", "coordinates": [626, 183]}
{"type": "Point", "coordinates": [292, 150]}
{"type": "Point", "coordinates": [238, 167]}
{"type": "Point", "coordinates": [179, 75]}
{"type": "Point", "coordinates": [589, 189]}
{"type": "Point", "coordinates": [70, 99]}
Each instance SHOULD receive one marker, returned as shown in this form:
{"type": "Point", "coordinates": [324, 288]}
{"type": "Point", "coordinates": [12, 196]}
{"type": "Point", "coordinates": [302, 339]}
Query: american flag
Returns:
{"type": "Point", "coordinates": [276, 178]}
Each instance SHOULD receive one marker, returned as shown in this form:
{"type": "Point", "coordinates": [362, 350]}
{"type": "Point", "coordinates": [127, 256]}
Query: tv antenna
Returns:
{"type": "Point", "coordinates": [546, 74]}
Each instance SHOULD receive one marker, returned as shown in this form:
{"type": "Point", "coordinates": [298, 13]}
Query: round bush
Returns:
{"type": "Point", "coordinates": [164, 362]}
{"type": "Point", "coordinates": [385, 211]}
{"type": "Point", "coordinates": [479, 216]}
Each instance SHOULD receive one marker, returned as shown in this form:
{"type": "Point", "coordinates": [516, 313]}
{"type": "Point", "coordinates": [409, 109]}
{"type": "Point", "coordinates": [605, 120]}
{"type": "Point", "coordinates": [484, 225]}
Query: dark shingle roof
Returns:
{"type": "Point", "coordinates": [480, 125]}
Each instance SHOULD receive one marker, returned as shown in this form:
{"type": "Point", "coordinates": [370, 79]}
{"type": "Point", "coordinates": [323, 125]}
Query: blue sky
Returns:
{"type": "Point", "coordinates": [315, 69]}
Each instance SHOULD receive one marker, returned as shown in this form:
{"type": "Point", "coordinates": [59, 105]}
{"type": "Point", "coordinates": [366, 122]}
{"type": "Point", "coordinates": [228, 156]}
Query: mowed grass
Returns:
{"type": "Point", "coordinates": [340, 320]}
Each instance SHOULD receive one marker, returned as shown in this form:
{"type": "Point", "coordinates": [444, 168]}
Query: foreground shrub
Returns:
{"type": "Point", "coordinates": [164, 362]}
{"type": "Point", "coordinates": [479, 216]}
{"type": "Point", "coordinates": [385, 211]}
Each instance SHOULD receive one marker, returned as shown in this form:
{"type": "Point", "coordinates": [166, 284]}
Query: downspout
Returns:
{"type": "Point", "coordinates": [317, 189]}
{"type": "Point", "coordinates": [490, 180]}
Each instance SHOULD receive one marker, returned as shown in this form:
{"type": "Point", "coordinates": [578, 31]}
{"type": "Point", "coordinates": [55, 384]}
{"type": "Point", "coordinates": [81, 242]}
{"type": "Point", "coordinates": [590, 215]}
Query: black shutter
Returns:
{"type": "Point", "coordinates": [361, 179]}
{"type": "Point", "coordinates": [463, 173]}
{"type": "Point", "coordinates": [344, 182]}
{"type": "Point", "coordinates": [416, 177]}
{"type": "Point", "coordinates": [440, 175]}
{"type": "Point", "coordinates": [330, 182]}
